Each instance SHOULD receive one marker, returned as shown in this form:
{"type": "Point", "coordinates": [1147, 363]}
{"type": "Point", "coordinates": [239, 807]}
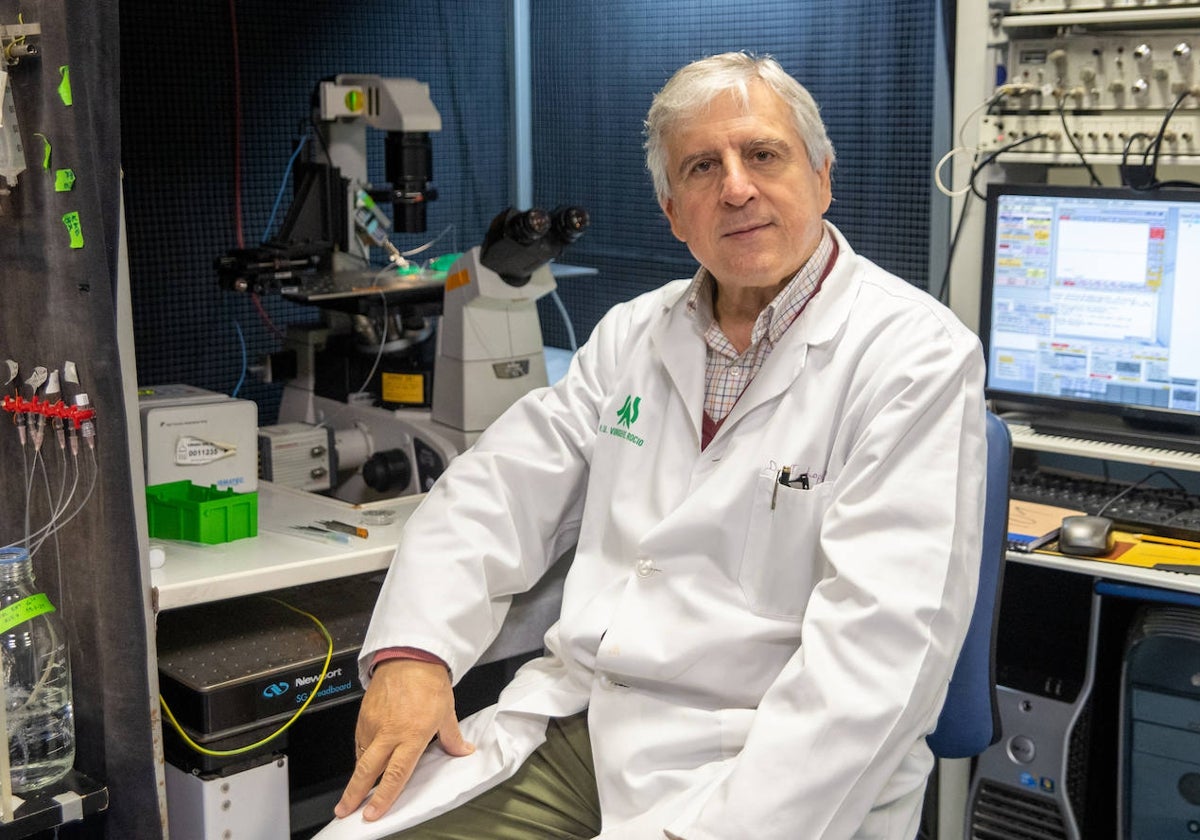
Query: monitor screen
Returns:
{"type": "Point", "coordinates": [1091, 310]}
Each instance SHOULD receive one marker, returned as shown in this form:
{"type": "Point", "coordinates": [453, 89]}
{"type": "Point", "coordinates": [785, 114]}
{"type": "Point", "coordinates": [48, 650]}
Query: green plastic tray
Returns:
{"type": "Point", "coordinates": [180, 510]}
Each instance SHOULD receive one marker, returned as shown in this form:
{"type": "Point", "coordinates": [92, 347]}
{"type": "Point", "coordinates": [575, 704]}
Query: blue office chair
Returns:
{"type": "Point", "coordinates": [970, 721]}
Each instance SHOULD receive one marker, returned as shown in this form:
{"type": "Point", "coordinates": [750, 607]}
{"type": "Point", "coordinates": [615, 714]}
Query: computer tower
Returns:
{"type": "Point", "coordinates": [1160, 726]}
{"type": "Point", "coordinates": [1034, 781]}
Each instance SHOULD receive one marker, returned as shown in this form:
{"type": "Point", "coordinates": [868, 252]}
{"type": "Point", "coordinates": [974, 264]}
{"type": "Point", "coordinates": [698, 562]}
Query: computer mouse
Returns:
{"type": "Point", "coordinates": [1087, 536]}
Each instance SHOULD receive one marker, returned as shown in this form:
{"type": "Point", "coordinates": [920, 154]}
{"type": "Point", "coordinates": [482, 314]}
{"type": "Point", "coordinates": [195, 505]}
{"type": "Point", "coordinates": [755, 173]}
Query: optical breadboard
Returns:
{"type": "Point", "coordinates": [245, 663]}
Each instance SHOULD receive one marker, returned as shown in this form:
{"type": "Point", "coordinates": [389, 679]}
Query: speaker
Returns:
{"type": "Point", "coordinates": [1033, 782]}
{"type": "Point", "coordinates": [1160, 726]}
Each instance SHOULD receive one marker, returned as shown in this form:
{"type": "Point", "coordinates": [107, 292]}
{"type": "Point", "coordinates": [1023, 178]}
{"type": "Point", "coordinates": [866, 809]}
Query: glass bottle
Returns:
{"type": "Point", "coordinates": [37, 678]}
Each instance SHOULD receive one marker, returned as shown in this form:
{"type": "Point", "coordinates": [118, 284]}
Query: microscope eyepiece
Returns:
{"type": "Point", "coordinates": [569, 223]}
{"type": "Point", "coordinates": [519, 242]}
{"type": "Point", "coordinates": [527, 227]}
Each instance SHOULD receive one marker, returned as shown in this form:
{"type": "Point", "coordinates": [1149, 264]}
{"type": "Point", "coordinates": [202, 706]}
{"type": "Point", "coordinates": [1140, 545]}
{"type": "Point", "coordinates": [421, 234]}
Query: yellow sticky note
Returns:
{"type": "Point", "coordinates": [64, 86]}
{"type": "Point", "coordinates": [403, 388]}
{"type": "Point", "coordinates": [71, 220]}
{"type": "Point", "coordinates": [64, 180]}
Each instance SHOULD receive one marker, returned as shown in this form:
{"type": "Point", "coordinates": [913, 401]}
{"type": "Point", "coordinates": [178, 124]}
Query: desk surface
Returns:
{"type": "Point", "coordinates": [195, 574]}
{"type": "Point", "coordinates": [1177, 581]}
{"type": "Point", "coordinates": [1024, 437]}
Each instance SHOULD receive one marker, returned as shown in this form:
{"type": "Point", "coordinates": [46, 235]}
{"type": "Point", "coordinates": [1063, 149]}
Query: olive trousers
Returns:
{"type": "Point", "coordinates": [551, 797]}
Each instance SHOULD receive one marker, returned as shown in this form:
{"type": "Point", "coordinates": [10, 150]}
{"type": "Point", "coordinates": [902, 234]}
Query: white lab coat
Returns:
{"type": "Point", "coordinates": [756, 660]}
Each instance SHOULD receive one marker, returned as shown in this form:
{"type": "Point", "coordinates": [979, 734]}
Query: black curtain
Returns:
{"type": "Point", "coordinates": [58, 282]}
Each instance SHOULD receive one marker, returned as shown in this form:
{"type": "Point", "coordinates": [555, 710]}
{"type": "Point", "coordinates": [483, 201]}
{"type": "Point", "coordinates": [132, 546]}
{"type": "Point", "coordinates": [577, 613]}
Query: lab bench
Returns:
{"type": "Point", "coordinates": [193, 576]}
{"type": "Point", "coordinates": [275, 559]}
{"type": "Point", "coordinates": [192, 573]}
{"type": "Point", "coordinates": [1025, 438]}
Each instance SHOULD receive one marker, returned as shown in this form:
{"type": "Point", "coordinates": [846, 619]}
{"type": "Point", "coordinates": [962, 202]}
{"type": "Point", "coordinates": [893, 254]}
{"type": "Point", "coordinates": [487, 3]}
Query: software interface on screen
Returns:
{"type": "Point", "coordinates": [1097, 298]}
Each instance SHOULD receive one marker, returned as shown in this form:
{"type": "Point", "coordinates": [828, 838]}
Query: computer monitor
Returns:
{"type": "Point", "coordinates": [1091, 311]}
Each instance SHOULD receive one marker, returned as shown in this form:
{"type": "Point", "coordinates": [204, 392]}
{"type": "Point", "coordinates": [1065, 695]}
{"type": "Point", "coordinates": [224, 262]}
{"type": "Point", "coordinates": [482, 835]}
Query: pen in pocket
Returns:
{"type": "Point", "coordinates": [786, 479]}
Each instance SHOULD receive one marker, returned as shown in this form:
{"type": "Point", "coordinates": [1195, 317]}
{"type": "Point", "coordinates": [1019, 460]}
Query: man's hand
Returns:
{"type": "Point", "coordinates": [407, 703]}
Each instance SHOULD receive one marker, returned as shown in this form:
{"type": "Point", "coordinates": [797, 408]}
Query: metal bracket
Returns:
{"type": "Point", "coordinates": [16, 43]}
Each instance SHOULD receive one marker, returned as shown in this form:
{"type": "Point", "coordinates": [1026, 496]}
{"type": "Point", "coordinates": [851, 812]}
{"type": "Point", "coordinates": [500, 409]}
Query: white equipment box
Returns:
{"type": "Point", "coordinates": [201, 436]}
{"type": "Point", "coordinates": [298, 455]}
{"type": "Point", "coordinates": [249, 804]}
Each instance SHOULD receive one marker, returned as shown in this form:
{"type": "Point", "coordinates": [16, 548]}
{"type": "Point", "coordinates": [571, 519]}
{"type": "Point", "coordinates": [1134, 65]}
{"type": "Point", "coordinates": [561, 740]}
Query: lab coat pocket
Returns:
{"type": "Point", "coordinates": [777, 569]}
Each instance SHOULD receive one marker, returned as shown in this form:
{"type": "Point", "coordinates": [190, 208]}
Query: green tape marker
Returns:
{"type": "Point", "coordinates": [64, 180]}
{"type": "Point", "coordinates": [64, 86]}
{"type": "Point", "coordinates": [71, 220]}
{"type": "Point", "coordinates": [23, 610]}
{"type": "Point", "coordinates": [45, 150]}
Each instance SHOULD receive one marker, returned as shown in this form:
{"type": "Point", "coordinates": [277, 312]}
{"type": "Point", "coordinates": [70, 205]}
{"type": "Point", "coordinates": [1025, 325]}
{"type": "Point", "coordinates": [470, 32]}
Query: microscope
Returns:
{"type": "Point", "coordinates": [488, 354]}
{"type": "Point", "coordinates": [335, 218]}
{"type": "Point", "coordinates": [410, 363]}
{"type": "Point", "coordinates": [489, 348]}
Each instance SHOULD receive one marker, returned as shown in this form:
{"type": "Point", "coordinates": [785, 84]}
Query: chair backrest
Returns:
{"type": "Point", "coordinates": [970, 721]}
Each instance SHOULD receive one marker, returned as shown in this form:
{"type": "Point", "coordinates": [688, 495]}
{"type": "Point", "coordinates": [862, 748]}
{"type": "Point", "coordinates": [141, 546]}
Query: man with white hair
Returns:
{"type": "Point", "coordinates": [772, 474]}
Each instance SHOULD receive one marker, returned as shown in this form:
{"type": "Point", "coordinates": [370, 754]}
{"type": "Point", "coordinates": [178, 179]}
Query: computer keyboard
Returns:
{"type": "Point", "coordinates": [1166, 512]}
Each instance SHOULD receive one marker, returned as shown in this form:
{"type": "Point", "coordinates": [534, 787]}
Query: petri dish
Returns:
{"type": "Point", "coordinates": [378, 516]}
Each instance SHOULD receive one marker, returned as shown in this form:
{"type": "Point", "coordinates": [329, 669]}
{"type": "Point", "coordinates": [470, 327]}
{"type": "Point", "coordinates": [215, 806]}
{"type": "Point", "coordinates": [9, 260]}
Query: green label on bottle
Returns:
{"type": "Point", "coordinates": [23, 610]}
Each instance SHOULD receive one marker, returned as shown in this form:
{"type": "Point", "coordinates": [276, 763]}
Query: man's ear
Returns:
{"type": "Point", "coordinates": [826, 178]}
{"type": "Point", "coordinates": [668, 208]}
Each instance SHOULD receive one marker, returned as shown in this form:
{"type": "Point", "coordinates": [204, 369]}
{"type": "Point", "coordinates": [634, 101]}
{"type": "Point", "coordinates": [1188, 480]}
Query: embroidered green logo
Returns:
{"type": "Point", "coordinates": [628, 413]}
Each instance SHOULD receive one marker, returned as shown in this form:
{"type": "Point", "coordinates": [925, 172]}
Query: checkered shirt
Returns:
{"type": "Point", "coordinates": [726, 372]}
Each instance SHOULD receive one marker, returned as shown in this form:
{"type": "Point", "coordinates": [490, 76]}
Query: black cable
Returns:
{"type": "Point", "coordinates": [1129, 147]}
{"type": "Point", "coordinates": [1151, 181]}
{"type": "Point", "coordinates": [1138, 484]}
{"type": "Point", "coordinates": [1139, 176]}
{"type": "Point", "coordinates": [1162, 129]}
{"type": "Point", "coordinates": [991, 157]}
{"type": "Point", "coordinates": [1195, 185]}
{"type": "Point", "coordinates": [943, 294]}
{"type": "Point", "coordinates": [1062, 116]}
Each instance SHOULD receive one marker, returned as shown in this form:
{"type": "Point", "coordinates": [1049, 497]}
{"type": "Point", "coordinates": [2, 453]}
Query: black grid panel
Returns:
{"type": "Point", "coordinates": [869, 63]}
{"type": "Point", "coordinates": [595, 68]}
{"type": "Point", "coordinates": [178, 129]}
